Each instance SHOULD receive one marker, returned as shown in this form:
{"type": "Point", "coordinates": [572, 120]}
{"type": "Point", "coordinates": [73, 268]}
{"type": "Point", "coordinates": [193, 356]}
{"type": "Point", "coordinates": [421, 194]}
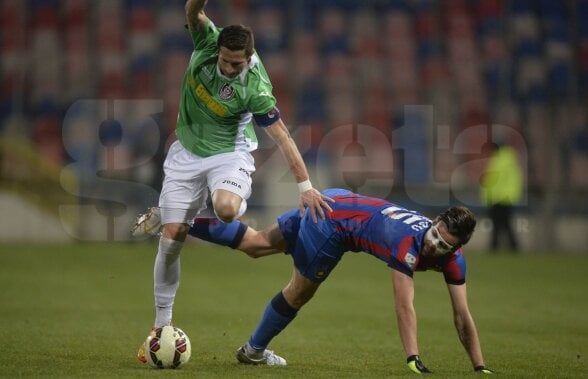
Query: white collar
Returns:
{"type": "Point", "coordinates": [252, 62]}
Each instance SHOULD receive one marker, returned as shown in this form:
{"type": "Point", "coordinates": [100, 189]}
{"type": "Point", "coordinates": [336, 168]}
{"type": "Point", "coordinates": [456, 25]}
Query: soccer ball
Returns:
{"type": "Point", "coordinates": [167, 347]}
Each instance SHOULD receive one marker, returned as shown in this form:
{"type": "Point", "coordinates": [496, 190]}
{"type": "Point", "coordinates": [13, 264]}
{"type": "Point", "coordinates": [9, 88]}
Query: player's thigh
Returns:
{"type": "Point", "coordinates": [320, 266]}
{"type": "Point", "coordinates": [184, 191]}
{"type": "Point", "coordinates": [231, 172]}
{"type": "Point", "coordinates": [318, 250]}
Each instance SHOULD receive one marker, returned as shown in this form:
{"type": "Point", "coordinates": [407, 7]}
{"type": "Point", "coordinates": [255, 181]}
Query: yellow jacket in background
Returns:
{"type": "Point", "coordinates": [502, 182]}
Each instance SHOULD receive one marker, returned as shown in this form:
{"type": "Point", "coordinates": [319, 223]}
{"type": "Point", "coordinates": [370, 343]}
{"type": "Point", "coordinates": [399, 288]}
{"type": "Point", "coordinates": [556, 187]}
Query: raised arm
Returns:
{"type": "Point", "coordinates": [466, 328]}
{"type": "Point", "coordinates": [195, 14]}
{"type": "Point", "coordinates": [309, 196]}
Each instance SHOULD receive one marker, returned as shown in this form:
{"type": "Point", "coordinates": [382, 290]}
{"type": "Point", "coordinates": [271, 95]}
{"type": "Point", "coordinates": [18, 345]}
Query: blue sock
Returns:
{"type": "Point", "coordinates": [215, 231]}
{"type": "Point", "coordinates": [278, 314]}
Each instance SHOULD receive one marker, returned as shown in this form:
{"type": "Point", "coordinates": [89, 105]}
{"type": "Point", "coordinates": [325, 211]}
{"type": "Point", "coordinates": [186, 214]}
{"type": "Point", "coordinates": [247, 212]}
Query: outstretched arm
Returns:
{"type": "Point", "coordinates": [407, 320]}
{"type": "Point", "coordinates": [405, 313]}
{"type": "Point", "coordinates": [195, 14]}
{"type": "Point", "coordinates": [309, 196]}
{"type": "Point", "coordinates": [464, 323]}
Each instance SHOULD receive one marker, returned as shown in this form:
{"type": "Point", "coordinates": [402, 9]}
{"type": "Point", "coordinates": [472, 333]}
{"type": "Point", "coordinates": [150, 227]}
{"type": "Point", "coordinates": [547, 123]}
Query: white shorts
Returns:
{"type": "Point", "coordinates": [188, 178]}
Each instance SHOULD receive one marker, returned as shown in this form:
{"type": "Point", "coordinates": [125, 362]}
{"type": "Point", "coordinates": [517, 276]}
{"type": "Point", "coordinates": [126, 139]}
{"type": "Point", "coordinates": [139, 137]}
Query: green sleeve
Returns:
{"type": "Point", "coordinates": [205, 36]}
{"type": "Point", "coordinates": [262, 99]}
{"type": "Point", "coordinates": [262, 103]}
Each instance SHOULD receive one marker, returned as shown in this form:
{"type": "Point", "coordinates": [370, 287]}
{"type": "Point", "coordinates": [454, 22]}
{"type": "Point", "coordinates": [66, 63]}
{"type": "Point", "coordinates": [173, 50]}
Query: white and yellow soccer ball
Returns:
{"type": "Point", "coordinates": [167, 347]}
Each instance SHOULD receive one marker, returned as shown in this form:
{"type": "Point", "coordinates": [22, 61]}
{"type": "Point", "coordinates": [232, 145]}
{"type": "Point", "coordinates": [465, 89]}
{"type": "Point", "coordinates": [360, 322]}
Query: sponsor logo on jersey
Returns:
{"type": "Point", "coordinates": [235, 184]}
{"type": "Point", "coordinates": [202, 93]}
{"type": "Point", "coordinates": [226, 92]}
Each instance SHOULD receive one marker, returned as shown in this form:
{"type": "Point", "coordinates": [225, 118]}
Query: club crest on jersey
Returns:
{"type": "Point", "coordinates": [226, 92]}
{"type": "Point", "coordinates": [410, 259]}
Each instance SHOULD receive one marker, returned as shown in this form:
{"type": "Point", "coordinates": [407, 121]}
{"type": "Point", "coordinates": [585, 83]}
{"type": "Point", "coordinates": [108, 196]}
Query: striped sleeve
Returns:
{"type": "Point", "coordinates": [454, 268]}
{"type": "Point", "coordinates": [404, 259]}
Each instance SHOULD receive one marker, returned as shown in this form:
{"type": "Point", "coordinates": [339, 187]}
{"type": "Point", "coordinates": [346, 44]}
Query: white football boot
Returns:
{"type": "Point", "coordinates": [147, 224]}
{"type": "Point", "coordinates": [248, 355]}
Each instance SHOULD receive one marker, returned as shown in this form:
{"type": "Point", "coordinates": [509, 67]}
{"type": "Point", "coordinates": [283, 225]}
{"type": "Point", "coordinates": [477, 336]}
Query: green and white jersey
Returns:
{"type": "Point", "coordinates": [215, 114]}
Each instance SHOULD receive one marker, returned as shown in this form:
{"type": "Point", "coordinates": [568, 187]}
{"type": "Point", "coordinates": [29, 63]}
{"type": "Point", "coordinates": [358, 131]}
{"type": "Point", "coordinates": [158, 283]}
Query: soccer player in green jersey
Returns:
{"type": "Point", "coordinates": [224, 92]}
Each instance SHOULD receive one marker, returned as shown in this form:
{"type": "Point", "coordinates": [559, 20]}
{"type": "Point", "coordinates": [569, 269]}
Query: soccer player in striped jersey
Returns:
{"type": "Point", "coordinates": [404, 239]}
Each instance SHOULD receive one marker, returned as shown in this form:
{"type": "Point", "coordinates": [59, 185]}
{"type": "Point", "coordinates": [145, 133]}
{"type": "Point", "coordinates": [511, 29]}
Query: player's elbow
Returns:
{"type": "Point", "coordinates": [283, 141]}
{"type": "Point", "coordinates": [192, 4]}
{"type": "Point", "coordinates": [193, 9]}
{"type": "Point", "coordinates": [188, 6]}
{"type": "Point", "coordinates": [404, 309]}
{"type": "Point", "coordinates": [459, 324]}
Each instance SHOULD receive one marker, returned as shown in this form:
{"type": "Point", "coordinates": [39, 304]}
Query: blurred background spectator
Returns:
{"type": "Point", "coordinates": [418, 88]}
{"type": "Point", "coordinates": [501, 189]}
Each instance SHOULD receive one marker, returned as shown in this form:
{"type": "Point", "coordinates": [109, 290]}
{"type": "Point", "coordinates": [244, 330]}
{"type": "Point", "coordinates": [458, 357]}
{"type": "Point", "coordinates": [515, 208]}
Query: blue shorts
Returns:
{"type": "Point", "coordinates": [315, 248]}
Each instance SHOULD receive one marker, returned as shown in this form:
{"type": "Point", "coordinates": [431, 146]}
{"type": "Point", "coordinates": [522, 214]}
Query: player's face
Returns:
{"type": "Point", "coordinates": [231, 63]}
{"type": "Point", "coordinates": [438, 240]}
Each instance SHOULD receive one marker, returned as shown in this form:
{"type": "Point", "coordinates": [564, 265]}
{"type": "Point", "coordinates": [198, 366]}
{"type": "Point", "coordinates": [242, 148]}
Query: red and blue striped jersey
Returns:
{"type": "Point", "coordinates": [385, 230]}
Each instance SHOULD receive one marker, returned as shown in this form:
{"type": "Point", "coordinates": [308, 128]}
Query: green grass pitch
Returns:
{"type": "Point", "coordinates": [81, 310]}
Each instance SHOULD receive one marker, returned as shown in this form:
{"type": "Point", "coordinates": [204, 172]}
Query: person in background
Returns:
{"type": "Point", "coordinates": [500, 190]}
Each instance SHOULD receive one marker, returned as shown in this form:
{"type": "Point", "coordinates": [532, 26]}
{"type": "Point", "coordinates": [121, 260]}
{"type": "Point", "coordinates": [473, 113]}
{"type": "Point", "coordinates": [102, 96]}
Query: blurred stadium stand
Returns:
{"type": "Point", "coordinates": [66, 66]}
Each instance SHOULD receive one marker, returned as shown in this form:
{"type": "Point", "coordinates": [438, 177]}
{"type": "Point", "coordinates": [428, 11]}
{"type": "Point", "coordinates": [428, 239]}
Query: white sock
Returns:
{"type": "Point", "coordinates": [163, 316]}
{"type": "Point", "coordinates": [166, 278]}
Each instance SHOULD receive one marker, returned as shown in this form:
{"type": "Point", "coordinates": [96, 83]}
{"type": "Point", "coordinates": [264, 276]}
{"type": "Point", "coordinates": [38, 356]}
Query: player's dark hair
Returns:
{"type": "Point", "coordinates": [237, 37]}
{"type": "Point", "coordinates": [460, 222]}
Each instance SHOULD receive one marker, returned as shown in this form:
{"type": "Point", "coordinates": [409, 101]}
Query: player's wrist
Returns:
{"type": "Point", "coordinates": [304, 186]}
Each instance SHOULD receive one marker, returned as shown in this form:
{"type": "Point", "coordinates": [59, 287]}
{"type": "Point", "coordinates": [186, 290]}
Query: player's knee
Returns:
{"type": "Point", "coordinates": [226, 211]}
{"type": "Point", "coordinates": [176, 232]}
{"type": "Point", "coordinates": [297, 296]}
